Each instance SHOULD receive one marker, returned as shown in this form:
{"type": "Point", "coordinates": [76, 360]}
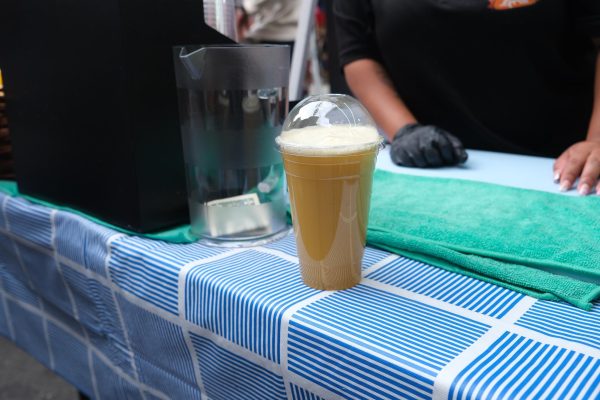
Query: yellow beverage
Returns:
{"type": "Point", "coordinates": [329, 173]}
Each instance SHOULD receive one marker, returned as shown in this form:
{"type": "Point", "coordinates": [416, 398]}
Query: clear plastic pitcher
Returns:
{"type": "Point", "coordinates": [232, 102]}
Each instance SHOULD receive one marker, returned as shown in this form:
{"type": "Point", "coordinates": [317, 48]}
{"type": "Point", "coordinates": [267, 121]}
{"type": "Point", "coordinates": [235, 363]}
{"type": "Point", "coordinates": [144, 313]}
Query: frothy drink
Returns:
{"type": "Point", "coordinates": [329, 173]}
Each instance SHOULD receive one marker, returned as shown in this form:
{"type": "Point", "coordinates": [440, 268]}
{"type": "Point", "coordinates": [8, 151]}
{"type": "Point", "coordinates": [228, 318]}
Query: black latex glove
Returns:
{"type": "Point", "coordinates": [423, 146]}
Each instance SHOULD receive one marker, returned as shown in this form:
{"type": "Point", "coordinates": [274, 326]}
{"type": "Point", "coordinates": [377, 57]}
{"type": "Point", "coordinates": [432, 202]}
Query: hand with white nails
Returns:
{"type": "Point", "coordinates": [581, 160]}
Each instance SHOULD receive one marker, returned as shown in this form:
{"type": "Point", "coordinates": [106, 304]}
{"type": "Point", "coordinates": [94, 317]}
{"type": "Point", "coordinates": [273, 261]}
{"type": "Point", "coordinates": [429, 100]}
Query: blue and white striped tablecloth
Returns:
{"type": "Point", "coordinates": [128, 318]}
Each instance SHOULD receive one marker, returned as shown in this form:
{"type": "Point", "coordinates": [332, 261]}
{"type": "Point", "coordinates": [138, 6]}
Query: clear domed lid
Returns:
{"type": "Point", "coordinates": [331, 123]}
{"type": "Point", "coordinates": [328, 110]}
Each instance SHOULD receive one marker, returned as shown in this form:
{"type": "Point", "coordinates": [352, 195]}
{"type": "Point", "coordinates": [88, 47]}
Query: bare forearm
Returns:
{"type": "Point", "coordinates": [371, 85]}
{"type": "Point", "coordinates": [594, 129]}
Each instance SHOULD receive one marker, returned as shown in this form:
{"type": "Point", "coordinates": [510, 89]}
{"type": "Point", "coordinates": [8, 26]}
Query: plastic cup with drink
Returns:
{"type": "Point", "coordinates": [329, 146]}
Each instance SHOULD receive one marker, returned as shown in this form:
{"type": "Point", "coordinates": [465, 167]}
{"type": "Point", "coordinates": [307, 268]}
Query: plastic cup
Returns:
{"type": "Point", "coordinates": [329, 179]}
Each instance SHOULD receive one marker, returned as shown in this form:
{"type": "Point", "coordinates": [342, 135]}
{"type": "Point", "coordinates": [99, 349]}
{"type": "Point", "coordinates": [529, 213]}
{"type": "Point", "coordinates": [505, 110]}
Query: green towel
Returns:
{"type": "Point", "coordinates": [180, 234]}
{"type": "Point", "coordinates": [542, 244]}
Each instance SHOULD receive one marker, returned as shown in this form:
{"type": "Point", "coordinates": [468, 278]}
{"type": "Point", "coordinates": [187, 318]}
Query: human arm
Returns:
{"type": "Point", "coordinates": [413, 145]}
{"type": "Point", "coordinates": [359, 53]}
{"type": "Point", "coordinates": [371, 85]}
{"type": "Point", "coordinates": [242, 21]}
{"type": "Point", "coordinates": [582, 160]}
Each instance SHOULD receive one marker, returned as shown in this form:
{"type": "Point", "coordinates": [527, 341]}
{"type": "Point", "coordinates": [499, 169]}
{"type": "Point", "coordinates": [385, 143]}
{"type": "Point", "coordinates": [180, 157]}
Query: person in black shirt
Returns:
{"type": "Point", "coordinates": [502, 75]}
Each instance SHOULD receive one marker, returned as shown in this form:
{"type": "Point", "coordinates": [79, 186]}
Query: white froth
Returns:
{"type": "Point", "coordinates": [334, 140]}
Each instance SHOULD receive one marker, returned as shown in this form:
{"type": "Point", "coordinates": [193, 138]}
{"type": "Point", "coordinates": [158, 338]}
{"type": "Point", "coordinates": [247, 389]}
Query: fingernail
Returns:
{"type": "Point", "coordinates": [565, 186]}
{"type": "Point", "coordinates": [584, 189]}
{"type": "Point", "coordinates": [557, 177]}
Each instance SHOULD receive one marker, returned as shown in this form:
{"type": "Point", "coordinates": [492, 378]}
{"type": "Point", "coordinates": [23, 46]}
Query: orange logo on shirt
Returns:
{"type": "Point", "coordinates": [508, 4]}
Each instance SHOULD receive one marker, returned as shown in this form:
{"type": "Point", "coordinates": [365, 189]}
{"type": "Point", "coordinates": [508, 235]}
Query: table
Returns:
{"type": "Point", "coordinates": [123, 317]}
{"type": "Point", "coordinates": [524, 172]}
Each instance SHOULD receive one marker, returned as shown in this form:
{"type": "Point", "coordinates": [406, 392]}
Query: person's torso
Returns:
{"type": "Point", "coordinates": [507, 75]}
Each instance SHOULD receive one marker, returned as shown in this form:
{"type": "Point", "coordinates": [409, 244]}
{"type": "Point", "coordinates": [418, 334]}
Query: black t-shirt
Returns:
{"type": "Point", "coordinates": [517, 79]}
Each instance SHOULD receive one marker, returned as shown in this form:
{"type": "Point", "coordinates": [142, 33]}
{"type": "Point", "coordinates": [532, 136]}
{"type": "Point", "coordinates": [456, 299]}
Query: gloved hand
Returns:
{"type": "Point", "coordinates": [423, 146]}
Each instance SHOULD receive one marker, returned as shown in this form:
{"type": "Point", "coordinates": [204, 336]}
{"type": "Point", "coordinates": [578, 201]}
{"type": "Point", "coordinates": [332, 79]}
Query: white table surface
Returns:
{"type": "Point", "coordinates": [504, 169]}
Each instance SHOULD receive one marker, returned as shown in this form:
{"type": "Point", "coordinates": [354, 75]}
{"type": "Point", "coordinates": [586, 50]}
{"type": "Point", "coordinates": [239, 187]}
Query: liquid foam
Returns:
{"type": "Point", "coordinates": [334, 140]}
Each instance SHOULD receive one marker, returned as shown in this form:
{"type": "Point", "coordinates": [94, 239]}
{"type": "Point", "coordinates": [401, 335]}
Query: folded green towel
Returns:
{"type": "Point", "coordinates": [180, 234]}
{"type": "Point", "coordinates": [542, 244]}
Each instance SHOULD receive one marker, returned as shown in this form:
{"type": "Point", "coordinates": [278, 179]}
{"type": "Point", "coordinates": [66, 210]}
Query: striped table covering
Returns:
{"type": "Point", "coordinates": [122, 317]}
